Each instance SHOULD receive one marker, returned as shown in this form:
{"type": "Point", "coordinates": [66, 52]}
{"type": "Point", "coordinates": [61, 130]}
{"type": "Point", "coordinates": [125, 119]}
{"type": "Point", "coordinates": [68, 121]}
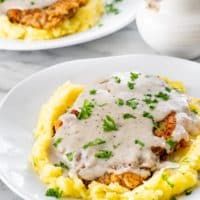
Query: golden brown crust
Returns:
{"type": "Point", "coordinates": [166, 127]}
{"type": "Point", "coordinates": [128, 179]}
{"type": "Point", "coordinates": [57, 125]}
{"type": "Point", "coordinates": [48, 17]}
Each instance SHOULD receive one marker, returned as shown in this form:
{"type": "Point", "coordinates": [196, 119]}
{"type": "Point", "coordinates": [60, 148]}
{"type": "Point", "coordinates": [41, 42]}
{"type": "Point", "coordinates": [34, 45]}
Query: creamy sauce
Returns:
{"type": "Point", "coordinates": [23, 4]}
{"type": "Point", "coordinates": [130, 145]}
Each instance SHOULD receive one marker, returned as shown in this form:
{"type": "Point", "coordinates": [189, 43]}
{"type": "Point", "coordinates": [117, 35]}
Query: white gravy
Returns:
{"type": "Point", "coordinates": [23, 4]}
{"type": "Point", "coordinates": [127, 153]}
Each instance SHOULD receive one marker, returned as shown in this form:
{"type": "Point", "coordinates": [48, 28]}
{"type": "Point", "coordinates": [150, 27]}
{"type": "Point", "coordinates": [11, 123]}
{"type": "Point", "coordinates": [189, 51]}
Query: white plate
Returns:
{"type": "Point", "coordinates": [20, 108]}
{"type": "Point", "coordinates": [111, 23]}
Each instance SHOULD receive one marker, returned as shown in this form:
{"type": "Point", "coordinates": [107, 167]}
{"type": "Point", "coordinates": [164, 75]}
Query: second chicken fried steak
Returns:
{"type": "Point", "coordinates": [48, 17]}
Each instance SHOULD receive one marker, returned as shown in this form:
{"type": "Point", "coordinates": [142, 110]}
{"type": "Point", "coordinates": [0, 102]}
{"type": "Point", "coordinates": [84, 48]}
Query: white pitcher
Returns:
{"type": "Point", "coordinates": [171, 27]}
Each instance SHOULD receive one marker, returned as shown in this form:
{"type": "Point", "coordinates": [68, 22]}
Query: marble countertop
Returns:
{"type": "Point", "coordinates": [15, 66]}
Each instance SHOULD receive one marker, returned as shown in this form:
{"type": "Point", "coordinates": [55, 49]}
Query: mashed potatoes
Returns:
{"type": "Point", "coordinates": [163, 185]}
{"type": "Point", "coordinates": [85, 18]}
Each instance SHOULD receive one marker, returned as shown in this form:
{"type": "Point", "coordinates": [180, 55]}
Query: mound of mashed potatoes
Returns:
{"type": "Point", "coordinates": [163, 185]}
{"type": "Point", "coordinates": [86, 17]}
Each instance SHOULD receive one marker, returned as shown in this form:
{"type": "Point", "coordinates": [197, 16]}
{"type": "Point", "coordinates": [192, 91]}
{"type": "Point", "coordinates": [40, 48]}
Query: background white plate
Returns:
{"type": "Point", "coordinates": [111, 23]}
{"type": "Point", "coordinates": [20, 108]}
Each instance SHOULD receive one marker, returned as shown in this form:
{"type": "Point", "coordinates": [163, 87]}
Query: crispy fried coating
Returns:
{"type": "Point", "coordinates": [46, 18]}
{"type": "Point", "coordinates": [128, 179]}
{"type": "Point", "coordinates": [57, 125]}
{"type": "Point", "coordinates": [166, 126]}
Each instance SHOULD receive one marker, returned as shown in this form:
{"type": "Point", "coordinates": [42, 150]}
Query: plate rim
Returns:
{"type": "Point", "coordinates": [58, 65]}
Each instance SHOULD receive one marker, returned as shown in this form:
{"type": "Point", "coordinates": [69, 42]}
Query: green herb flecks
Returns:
{"type": "Point", "coordinates": [171, 143]}
{"type": "Point", "coordinates": [173, 198]}
{"type": "Point", "coordinates": [188, 191]}
{"type": "Point", "coordinates": [194, 111]}
{"type": "Point", "coordinates": [162, 95]}
{"type": "Point", "coordinates": [150, 116]}
{"type": "Point", "coordinates": [140, 143]}
{"type": "Point", "coordinates": [109, 124]}
{"type": "Point", "coordinates": [150, 101]}
{"type": "Point", "coordinates": [132, 103]}
{"type": "Point", "coordinates": [62, 165]}
{"type": "Point", "coordinates": [131, 85]}
{"type": "Point", "coordinates": [57, 142]}
{"type": "Point", "coordinates": [134, 76]}
{"type": "Point", "coordinates": [103, 154]}
{"type": "Point", "coordinates": [111, 8]}
{"type": "Point", "coordinates": [96, 142]}
{"type": "Point", "coordinates": [70, 155]}
{"type": "Point", "coordinates": [117, 79]}
{"type": "Point", "coordinates": [93, 92]}
{"type": "Point", "coordinates": [166, 179]}
{"type": "Point", "coordinates": [119, 102]}
{"type": "Point", "coordinates": [54, 192]}
{"type": "Point", "coordinates": [168, 89]}
{"type": "Point", "coordinates": [32, 3]}
{"type": "Point", "coordinates": [147, 115]}
{"type": "Point", "coordinates": [128, 116]}
{"type": "Point", "coordinates": [86, 110]}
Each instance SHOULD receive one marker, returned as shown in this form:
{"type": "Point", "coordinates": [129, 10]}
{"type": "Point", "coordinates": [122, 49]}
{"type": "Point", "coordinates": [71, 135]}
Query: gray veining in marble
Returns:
{"type": "Point", "coordinates": [15, 66]}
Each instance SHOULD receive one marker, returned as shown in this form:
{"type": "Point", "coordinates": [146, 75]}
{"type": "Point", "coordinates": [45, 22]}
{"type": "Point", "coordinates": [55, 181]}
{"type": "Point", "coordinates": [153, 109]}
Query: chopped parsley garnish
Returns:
{"type": "Point", "coordinates": [194, 111]}
{"type": "Point", "coordinates": [163, 96]}
{"type": "Point", "coordinates": [93, 92]}
{"type": "Point", "coordinates": [131, 85]}
{"type": "Point", "coordinates": [151, 102]}
{"type": "Point", "coordinates": [70, 156]}
{"type": "Point", "coordinates": [173, 198]}
{"type": "Point", "coordinates": [103, 154]}
{"type": "Point", "coordinates": [171, 143]}
{"type": "Point", "coordinates": [132, 103]}
{"type": "Point", "coordinates": [147, 115]}
{"type": "Point", "coordinates": [96, 142]}
{"type": "Point", "coordinates": [168, 89]}
{"type": "Point", "coordinates": [139, 143]}
{"type": "Point", "coordinates": [148, 95]}
{"type": "Point", "coordinates": [86, 110]}
{"type": "Point", "coordinates": [111, 8]}
{"type": "Point", "coordinates": [165, 178]}
{"type": "Point", "coordinates": [62, 165]}
{"type": "Point", "coordinates": [134, 76]}
{"type": "Point", "coordinates": [128, 116]}
{"type": "Point", "coordinates": [109, 124]}
{"type": "Point", "coordinates": [54, 192]}
{"type": "Point", "coordinates": [119, 102]}
{"type": "Point", "coordinates": [152, 106]}
{"type": "Point", "coordinates": [188, 191]}
{"type": "Point", "coordinates": [57, 142]}
{"type": "Point", "coordinates": [117, 79]}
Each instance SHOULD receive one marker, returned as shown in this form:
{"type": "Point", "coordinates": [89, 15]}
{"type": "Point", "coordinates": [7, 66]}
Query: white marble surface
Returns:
{"type": "Point", "coordinates": [15, 66]}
